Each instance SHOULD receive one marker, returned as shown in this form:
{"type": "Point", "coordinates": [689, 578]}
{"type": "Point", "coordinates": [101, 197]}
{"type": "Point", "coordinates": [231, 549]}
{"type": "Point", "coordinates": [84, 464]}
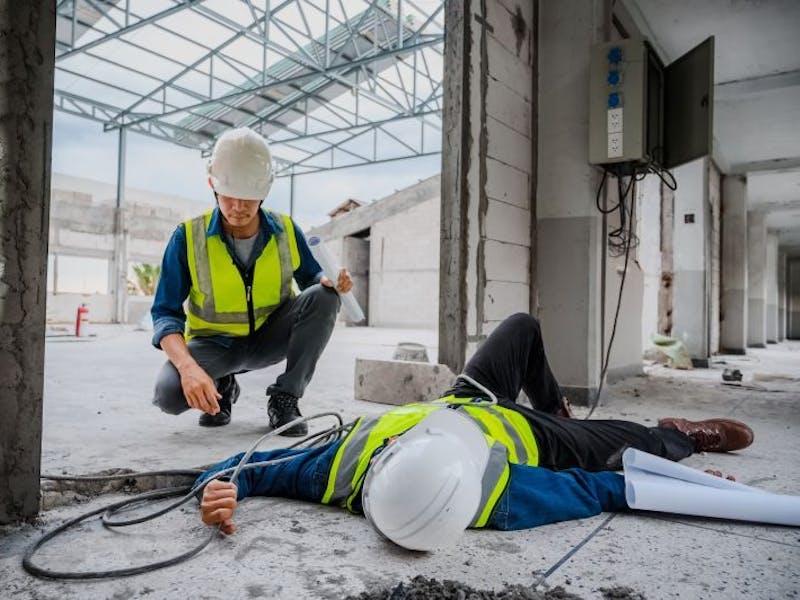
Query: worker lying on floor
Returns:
{"type": "Point", "coordinates": [235, 264]}
{"type": "Point", "coordinates": [423, 473]}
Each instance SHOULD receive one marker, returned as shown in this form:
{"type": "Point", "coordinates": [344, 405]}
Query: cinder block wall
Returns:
{"type": "Point", "coordinates": [488, 171]}
{"type": "Point", "coordinates": [404, 268]}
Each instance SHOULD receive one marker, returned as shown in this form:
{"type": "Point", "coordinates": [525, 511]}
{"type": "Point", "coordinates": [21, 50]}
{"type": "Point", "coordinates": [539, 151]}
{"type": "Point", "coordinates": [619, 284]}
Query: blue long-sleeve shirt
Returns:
{"type": "Point", "coordinates": [173, 286]}
{"type": "Point", "coordinates": [534, 496]}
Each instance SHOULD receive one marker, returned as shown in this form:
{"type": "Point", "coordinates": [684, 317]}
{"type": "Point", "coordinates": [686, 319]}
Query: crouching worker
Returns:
{"type": "Point", "coordinates": [235, 265]}
{"type": "Point", "coordinates": [423, 473]}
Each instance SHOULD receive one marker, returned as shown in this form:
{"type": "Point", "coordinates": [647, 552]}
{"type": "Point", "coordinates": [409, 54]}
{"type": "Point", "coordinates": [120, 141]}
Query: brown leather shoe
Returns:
{"type": "Point", "coordinates": [712, 435]}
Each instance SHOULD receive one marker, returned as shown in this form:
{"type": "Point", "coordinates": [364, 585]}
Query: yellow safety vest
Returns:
{"type": "Point", "coordinates": [220, 302]}
{"type": "Point", "coordinates": [506, 431]}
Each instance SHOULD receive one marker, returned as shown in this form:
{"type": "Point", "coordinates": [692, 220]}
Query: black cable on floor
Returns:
{"type": "Point", "coordinates": [186, 493]}
{"type": "Point", "coordinates": [30, 567]}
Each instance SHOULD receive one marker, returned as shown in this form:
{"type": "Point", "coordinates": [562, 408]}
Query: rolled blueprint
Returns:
{"type": "Point", "coordinates": [329, 269]}
{"type": "Point", "coordinates": [657, 484]}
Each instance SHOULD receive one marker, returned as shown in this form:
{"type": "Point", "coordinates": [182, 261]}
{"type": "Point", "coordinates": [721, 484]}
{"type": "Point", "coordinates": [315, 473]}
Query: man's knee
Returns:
{"type": "Point", "coordinates": [322, 298]}
{"type": "Point", "coordinates": [168, 393]}
{"type": "Point", "coordinates": [524, 322]}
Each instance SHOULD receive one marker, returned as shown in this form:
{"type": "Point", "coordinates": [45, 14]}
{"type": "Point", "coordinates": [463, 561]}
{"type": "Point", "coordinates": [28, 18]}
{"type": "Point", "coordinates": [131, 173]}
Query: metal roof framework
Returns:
{"type": "Point", "coordinates": [331, 83]}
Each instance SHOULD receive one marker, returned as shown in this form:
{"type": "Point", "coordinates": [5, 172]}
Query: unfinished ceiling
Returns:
{"type": "Point", "coordinates": [331, 83]}
{"type": "Point", "coordinates": [757, 90]}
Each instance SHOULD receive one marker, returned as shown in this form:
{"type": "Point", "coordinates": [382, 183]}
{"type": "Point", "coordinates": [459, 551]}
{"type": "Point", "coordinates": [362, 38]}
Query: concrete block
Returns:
{"type": "Point", "coordinates": [515, 7]}
{"type": "Point", "coordinates": [86, 240]}
{"type": "Point", "coordinates": [507, 223]}
{"type": "Point", "coordinates": [400, 382]}
{"type": "Point", "coordinates": [507, 262]}
{"type": "Point", "coordinates": [508, 146]}
{"type": "Point", "coordinates": [512, 27]}
{"type": "Point", "coordinates": [506, 68]}
{"type": "Point", "coordinates": [508, 107]}
{"type": "Point", "coordinates": [504, 298]}
{"type": "Point", "coordinates": [507, 184]}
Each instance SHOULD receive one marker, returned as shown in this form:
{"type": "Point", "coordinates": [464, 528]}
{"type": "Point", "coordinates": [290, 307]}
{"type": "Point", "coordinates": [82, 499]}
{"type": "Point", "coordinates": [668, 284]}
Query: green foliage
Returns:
{"type": "Point", "coordinates": [146, 278]}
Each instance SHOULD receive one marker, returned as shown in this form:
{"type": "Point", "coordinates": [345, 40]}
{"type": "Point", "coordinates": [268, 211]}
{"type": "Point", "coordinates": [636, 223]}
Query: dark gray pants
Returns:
{"type": "Point", "coordinates": [298, 331]}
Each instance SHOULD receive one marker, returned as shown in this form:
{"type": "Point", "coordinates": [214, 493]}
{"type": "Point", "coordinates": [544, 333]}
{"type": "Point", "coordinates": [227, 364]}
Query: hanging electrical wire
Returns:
{"type": "Point", "coordinates": [622, 239]}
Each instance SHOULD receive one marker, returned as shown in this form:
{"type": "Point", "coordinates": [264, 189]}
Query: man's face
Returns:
{"type": "Point", "coordinates": [237, 211]}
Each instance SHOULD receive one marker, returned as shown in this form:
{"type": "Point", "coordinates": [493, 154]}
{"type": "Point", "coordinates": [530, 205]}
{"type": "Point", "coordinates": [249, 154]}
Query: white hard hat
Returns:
{"type": "Point", "coordinates": [424, 489]}
{"type": "Point", "coordinates": [241, 165]}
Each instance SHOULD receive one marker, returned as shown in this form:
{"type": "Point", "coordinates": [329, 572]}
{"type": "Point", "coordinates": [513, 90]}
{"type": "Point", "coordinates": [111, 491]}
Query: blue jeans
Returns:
{"type": "Point", "coordinates": [304, 477]}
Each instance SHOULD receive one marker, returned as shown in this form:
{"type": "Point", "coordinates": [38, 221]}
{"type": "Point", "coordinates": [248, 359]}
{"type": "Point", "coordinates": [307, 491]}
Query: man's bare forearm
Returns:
{"type": "Point", "coordinates": [174, 345]}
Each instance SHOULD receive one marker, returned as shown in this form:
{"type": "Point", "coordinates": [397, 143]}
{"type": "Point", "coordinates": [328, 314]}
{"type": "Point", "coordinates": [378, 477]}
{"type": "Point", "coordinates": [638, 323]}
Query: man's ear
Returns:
{"type": "Point", "coordinates": [210, 183]}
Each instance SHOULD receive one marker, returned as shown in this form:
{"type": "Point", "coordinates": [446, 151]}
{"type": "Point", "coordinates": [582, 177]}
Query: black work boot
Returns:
{"type": "Point", "coordinates": [282, 409]}
{"type": "Point", "coordinates": [229, 389]}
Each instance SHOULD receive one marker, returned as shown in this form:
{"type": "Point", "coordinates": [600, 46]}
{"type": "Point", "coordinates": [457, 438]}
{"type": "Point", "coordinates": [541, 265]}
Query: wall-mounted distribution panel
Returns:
{"type": "Point", "coordinates": [643, 112]}
{"type": "Point", "coordinates": [618, 102]}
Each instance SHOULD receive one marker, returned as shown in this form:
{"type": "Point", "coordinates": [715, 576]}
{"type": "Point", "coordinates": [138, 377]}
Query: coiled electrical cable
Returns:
{"type": "Point", "coordinates": [186, 494]}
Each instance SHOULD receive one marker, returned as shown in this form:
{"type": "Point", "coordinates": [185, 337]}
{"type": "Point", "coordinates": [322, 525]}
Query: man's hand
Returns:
{"type": "Point", "coordinates": [218, 504]}
{"type": "Point", "coordinates": [200, 390]}
{"type": "Point", "coordinates": [720, 474]}
{"type": "Point", "coordinates": [344, 285]}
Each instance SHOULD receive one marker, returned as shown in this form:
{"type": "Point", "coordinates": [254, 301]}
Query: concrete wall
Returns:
{"type": "Point", "coordinates": [404, 268]}
{"type": "Point", "coordinates": [399, 285]}
{"type": "Point", "coordinates": [793, 299]}
{"type": "Point", "coordinates": [733, 336]}
{"type": "Point", "coordinates": [772, 287]}
{"type": "Point", "coordinates": [82, 225]}
{"type": "Point", "coordinates": [62, 307]}
{"type": "Point", "coordinates": [356, 259]}
{"type": "Point", "coordinates": [488, 171]}
{"type": "Point", "coordinates": [690, 302]}
{"type": "Point", "coordinates": [756, 280]}
{"type": "Point", "coordinates": [648, 254]}
{"type": "Point", "coordinates": [27, 51]}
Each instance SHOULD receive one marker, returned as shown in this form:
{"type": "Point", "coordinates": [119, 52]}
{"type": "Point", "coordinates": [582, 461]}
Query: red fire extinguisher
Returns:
{"type": "Point", "coordinates": [82, 321]}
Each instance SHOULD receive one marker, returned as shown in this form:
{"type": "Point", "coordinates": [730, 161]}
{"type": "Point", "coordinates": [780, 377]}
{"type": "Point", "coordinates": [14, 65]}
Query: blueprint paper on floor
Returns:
{"type": "Point", "coordinates": [657, 484]}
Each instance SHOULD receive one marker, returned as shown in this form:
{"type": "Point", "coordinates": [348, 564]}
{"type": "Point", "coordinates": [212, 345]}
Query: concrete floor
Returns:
{"type": "Point", "coordinates": [98, 415]}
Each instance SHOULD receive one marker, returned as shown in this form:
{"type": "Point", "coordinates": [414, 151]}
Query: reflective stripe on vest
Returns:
{"type": "Point", "coordinates": [217, 302]}
{"type": "Point", "coordinates": [351, 461]}
{"type": "Point", "coordinates": [505, 425]}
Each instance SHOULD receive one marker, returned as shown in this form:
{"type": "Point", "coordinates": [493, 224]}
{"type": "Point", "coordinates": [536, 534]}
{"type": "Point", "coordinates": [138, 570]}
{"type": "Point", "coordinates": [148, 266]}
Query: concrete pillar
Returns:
{"type": "Point", "coordinates": [714, 256]}
{"type": "Point", "coordinates": [690, 256]}
{"type": "Point", "coordinates": [27, 50]}
{"type": "Point", "coordinates": [782, 262]}
{"type": "Point", "coordinates": [772, 288]}
{"type": "Point", "coordinates": [570, 240]}
{"type": "Point", "coordinates": [488, 171]}
{"type": "Point", "coordinates": [649, 254]}
{"type": "Point", "coordinates": [793, 298]}
{"type": "Point", "coordinates": [665, 291]}
{"type": "Point", "coordinates": [119, 264]}
{"type": "Point", "coordinates": [756, 280]}
{"type": "Point", "coordinates": [733, 334]}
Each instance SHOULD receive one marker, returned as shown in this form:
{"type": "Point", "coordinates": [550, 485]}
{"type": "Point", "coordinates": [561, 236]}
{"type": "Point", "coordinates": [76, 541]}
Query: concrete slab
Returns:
{"type": "Point", "coordinates": [400, 382]}
{"type": "Point", "coordinates": [97, 415]}
{"type": "Point", "coordinates": [672, 559]}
